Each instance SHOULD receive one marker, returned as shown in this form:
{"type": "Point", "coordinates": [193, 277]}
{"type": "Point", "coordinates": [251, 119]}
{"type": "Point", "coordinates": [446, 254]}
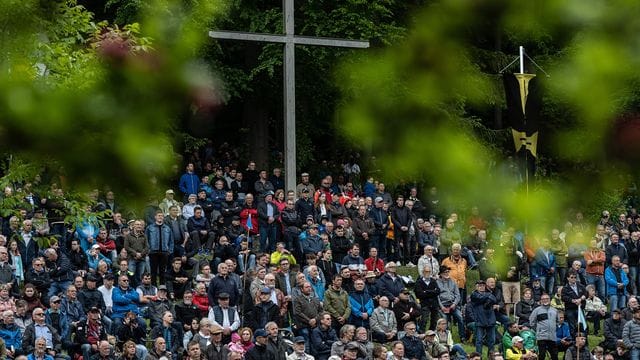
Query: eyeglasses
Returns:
{"type": "Point", "coordinates": [124, 280]}
{"type": "Point", "coordinates": [38, 314]}
{"type": "Point", "coordinates": [37, 264]}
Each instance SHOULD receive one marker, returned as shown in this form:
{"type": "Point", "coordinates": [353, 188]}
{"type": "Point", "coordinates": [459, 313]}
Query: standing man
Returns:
{"type": "Point", "coordinates": [267, 215]}
{"type": "Point", "coordinates": [617, 282]}
{"type": "Point", "coordinates": [427, 292]}
{"type": "Point", "coordinates": [160, 247]}
{"type": "Point", "coordinates": [304, 185]}
{"type": "Point", "coordinates": [484, 304]}
{"type": "Point", "coordinates": [631, 335]}
{"type": "Point", "coordinates": [137, 248]}
{"type": "Point", "coordinates": [381, 222]}
{"type": "Point", "coordinates": [573, 295]}
{"type": "Point", "coordinates": [363, 229]}
{"type": "Point", "coordinates": [401, 218]}
{"type": "Point", "coordinates": [544, 320]}
{"type": "Point", "coordinates": [189, 181]}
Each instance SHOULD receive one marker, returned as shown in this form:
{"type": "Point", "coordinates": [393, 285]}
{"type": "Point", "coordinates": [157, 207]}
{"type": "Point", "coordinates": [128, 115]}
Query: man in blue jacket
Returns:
{"type": "Point", "coordinates": [484, 305]}
{"type": "Point", "coordinates": [617, 282]}
{"type": "Point", "coordinates": [361, 305]}
{"type": "Point", "coordinates": [126, 299]}
{"type": "Point", "coordinates": [189, 182]}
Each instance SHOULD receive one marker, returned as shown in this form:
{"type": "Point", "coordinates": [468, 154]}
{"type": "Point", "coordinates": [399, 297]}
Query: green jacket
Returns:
{"type": "Point", "coordinates": [337, 303]}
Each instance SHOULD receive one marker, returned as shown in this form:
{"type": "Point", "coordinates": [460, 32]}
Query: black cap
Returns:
{"type": "Point", "coordinates": [109, 277]}
{"type": "Point", "coordinates": [299, 340]}
{"type": "Point", "coordinates": [305, 190]}
{"type": "Point", "coordinates": [223, 295]}
{"type": "Point", "coordinates": [481, 282]}
{"type": "Point", "coordinates": [94, 309]}
{"type": "Point", "coordinates": [91, 277]}
{"type": "Point", "coordinates": [351, 346]}
{"type": "Point", "coordinates": [235, 217]}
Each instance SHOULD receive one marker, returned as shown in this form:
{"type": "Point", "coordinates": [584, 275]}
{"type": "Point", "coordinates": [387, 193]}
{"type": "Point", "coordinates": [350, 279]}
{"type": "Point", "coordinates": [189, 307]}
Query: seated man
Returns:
{"type": "Point", "coordinates": [52, 340]}
{"type": "Point", "coordinates": [177, 280]}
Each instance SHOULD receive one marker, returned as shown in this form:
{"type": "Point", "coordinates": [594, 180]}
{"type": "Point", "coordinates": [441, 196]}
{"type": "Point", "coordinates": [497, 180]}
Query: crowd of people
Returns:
{"type": "Point", "coordinates": [232, 265]}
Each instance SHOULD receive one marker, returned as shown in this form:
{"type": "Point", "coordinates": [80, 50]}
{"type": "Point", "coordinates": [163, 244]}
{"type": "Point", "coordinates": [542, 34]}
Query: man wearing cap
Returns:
{"type": "Point", "coordinates": [217, 350]}
{"type": "Point", "coordinates": [579, 350]}
{"type": "Point", "coordinates": [484, 304]}
{"type": "Point", "coordinates": [298, 350]}
{"type": "Point", "coordinates": [225, 316]}
{"type": "Point", "coordinates": [304, 206]}
{"type": "Point", "coordinates": [406, 309]}
{"type": "Point", "coordinates": [304, 185]}
{"type": "Point", "coordinates": [168, 202]}
{"type": "Point", "coordinates": [158, 305]}
{"type": "Point", "coordinates": [312, 243]}
{"type": "Point", "coordinates": [433, 348]}
{"type": "Point", "coordinates": [449, 299]}
{"type": "Point", "coordinates": [260, 351]}
{"type": "Point", "coordinates": [381, 223]}
{"type": "Point", "coordinates": [264, 311]}
{"type": "Point", "coordinates": [90, 333]}
{"type": "Point", "coordinates": [268, 213]}
{"type": "Point", "coordinates": [390, 283]}
{"type": "Point", "coordinates": [517, 350]}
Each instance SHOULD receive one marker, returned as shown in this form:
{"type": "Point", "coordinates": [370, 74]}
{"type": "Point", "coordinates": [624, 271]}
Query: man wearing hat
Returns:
{"type": "Point", "coordinates": [381, 223]}
{"type": "Point", "coordinates": [304, 185]}
{"type": "Point", "coordinates": [304, 206]}
{"type": "Point", "coordinates": [613, 330]}
{"type": "Point", "coordinates": [517, 350]}
{"type": "Point", "coordinates": [217, 350]}
{"type": "Point", "coordinates": [260, 351]}
{"type": "Point", "coordinates": [159, 305]}
{"type": "Point", "coordinates": [298, 350]}
{"type": "Point", "coordinates": [86, 333]}
{"type": "Point", "coordinates": [484, 304]}
{"type": "Point", "coordinates": [168, 202]}
{"type": "Point", "coordinates": [406, 308]}
{"type": "Point", "coordinates": [225, 316]}
{"type": "Point", "coordinates": [268, 213]}
{"type": "Point", "coordinates": [433, 348]}
{"type": "Point", "coordinates": [264, 311]}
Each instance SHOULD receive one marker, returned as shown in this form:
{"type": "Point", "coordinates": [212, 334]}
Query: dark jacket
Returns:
{"type": "Point", "coordinates": [60, 270]}
{"type": "Point", "coordinates": [414, 348]}
{"type": "Point", "coordinates": [262, 213]}
{"type": "Point", "coordinates": [427, 294]}
{"type": "Point", "coordinates": [221, 284]}
{"type": "Point", "coordinates": [29, 338]}
{"type": "Point", "coordinates": [389, 287]}
{"type": "Point", "coordinates": [482, 303]}
{"type": "Point", "coordinates": [90, 298]}
{"type": "Point", "coordinates": [81, 333]}
{"type": "Point", "coordinates": [258, 352]}
{"type": "Point", "coordinates": [261, 314]}
{"type": "Point", "coordinates": [176, 342]}
{"type": "Point", "coordinates": [612, 332]}
{"type": "Point", "coordinates": [568, 295]}
{"type": "Point", "coordinates": [321, 341]}
{"type": "Point", "coordinates": [400, 216]}
{"type": "Point", "coordinates": [40, 280]}
{"type": "Point", "coordinates": [278, 347]}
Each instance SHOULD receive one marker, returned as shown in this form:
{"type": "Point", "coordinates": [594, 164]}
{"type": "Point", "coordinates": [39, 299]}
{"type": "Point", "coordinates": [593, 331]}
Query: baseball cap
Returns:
{"type": "Point", "coordinates": [260, 333]}
{"type": "Point", "coordinates": [95, 246]}
{"type": "Point", "coordinates": [162, 287]}
{"type": "Point", "coordinates": [378, 199]}
{"type": "Point", "coordinates": [304, 174]}
{"type": "Point", "coordinates": [266, 290]}
{"type": "Point", "coordinates": [268, 193]}
{"type": "Point", "coordinates": [481, 282]}
{"type": "Point", "coordinates": [94, 309]}
{"type": "Point", "coordinates": [54, 299]}
{"type": "Point", "coordinates": [223, 295]}
{"type": "Point", "coordinates": [351, 346]}
{"type": "Point", "coordinates": [405, 291]}
{"type": "Point", "coordinates": [169, 192]}
{"type": "Point", "coordinates": [516, 339]}
{"type": "Point", "coordinates": [430, 333]}
{"type": "Point", "coordinates": [216, 329]}
{"type": "Point", "coordinates": [370, 274]}
{"type": "Point", "coordinates": [299, 340]}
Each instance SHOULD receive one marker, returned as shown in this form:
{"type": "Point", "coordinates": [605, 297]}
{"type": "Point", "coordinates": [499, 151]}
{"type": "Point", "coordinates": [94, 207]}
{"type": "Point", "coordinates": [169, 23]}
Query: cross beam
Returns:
{"type": "Point", "coordinates": [289, 39]}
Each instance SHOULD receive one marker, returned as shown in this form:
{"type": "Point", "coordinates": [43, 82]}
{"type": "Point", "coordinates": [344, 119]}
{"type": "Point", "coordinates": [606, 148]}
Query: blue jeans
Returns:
{"type": "Point", "coordinates": [458, 352]}
{"type": "Point", "coordinates": [617, 301]}
{"type": "Point", "coordinates": [457, 316]}
{"type": "Point", "coordinates": [137, 268]}
{"type": "Point", "coordinates": [635, 354]}
{"type": "Point", "coordinates": [485, 331]}
{"type": "Point", "coordinates": [598, 282]}
{"type": "Point", "coordinates": [468, 254]}
{"type": "Point", "coordinates": [251, 263]}
{"type": "Point", "coordinates": [547, 283]}
{"type": "Point", "coordinates": [268, 237]}
{"type": "Point", "coordinates": [58, 287]}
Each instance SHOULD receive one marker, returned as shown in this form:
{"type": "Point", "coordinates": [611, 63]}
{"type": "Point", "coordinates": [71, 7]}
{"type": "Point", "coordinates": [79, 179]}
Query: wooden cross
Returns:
{"type": "Point", "coordinates": [289, 39]}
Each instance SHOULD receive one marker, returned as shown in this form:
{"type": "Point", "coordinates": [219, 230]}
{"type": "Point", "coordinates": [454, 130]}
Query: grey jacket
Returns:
{"type": "Point", "coordinates": [381, 323]}
{"type": "Point", "coordinates": [449, 292]}
{"type": "Point", "coordinates": [631, 334]}
{"type": "Point", "coordinates": [543, 320]}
